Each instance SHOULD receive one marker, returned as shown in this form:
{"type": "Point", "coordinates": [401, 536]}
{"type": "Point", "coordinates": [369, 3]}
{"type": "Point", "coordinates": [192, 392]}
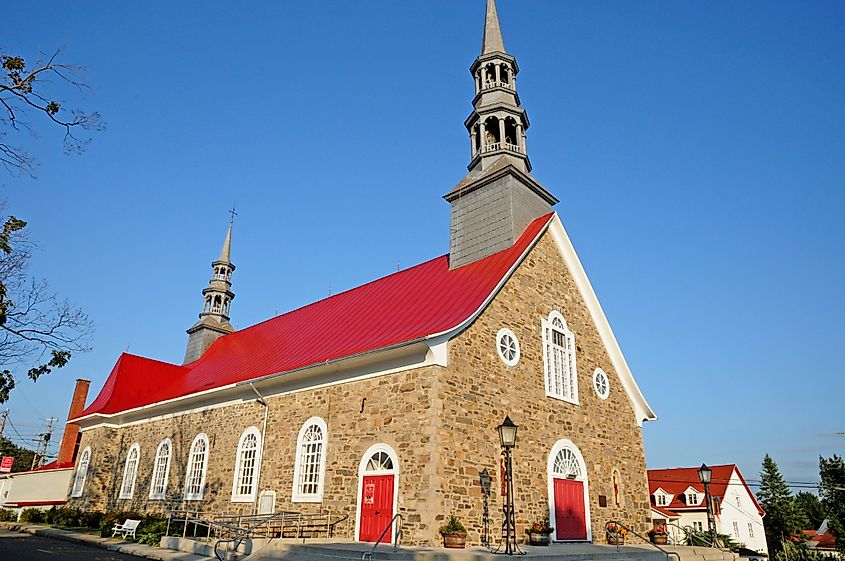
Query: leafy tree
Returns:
{"type": "Point", "coordinates": [23, 96]}
{"type": "Point", "coordinates": [22, 456]}
{"type": "Point", "coordinates": [38, 330]}
{"type": "Point", "coordinates": [811, 507]}
{"type": "Point", "coordinates": [832, 474]}
{"type": "Point", "coordinates": [783, 517]}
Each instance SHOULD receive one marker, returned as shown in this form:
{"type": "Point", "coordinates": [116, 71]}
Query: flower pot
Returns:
{"type": "Point", "coordinates": [659, 539]}
{"type": "Point", "coordinates": [455, 541]}
{"type": "Point", "coordinates": [535, 538]}
{"type": "Point", "coordinates": [615, 539]}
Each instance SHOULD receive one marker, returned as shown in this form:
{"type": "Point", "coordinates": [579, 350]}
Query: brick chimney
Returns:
{"type": "Point", "coordinates": [67, 451]}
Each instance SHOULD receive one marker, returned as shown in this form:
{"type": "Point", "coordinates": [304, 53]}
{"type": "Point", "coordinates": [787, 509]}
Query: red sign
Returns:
{"type": "Point", "coordinates": [6, 464]}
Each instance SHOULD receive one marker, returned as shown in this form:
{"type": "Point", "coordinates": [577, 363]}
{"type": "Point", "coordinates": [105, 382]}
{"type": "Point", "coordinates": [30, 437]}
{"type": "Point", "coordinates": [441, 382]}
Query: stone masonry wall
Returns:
{"type": "Point", "coordinates": [480, 390]}
{"type": "Point", "coordinates": [397, 412]}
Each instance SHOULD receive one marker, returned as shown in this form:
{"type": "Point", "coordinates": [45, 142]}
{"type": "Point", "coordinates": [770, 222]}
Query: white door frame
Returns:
{"type": "Point", "coordinates": [561, 444]}
{"type": "Point", "coordinates": [362, 471]}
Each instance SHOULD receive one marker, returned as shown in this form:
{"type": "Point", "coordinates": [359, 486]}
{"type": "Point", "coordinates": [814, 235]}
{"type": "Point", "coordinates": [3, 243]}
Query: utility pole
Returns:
{"type": "Point", "coordinates": [3, 422]}
{"type": "Point", "coordinates": [44, 443]}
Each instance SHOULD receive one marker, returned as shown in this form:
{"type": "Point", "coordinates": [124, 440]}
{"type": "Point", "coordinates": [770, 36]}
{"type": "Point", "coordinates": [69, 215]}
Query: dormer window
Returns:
{"type": "Point", "coordinates": [661, 499]}
{"type": "Point", "coordinates": [692, 499]}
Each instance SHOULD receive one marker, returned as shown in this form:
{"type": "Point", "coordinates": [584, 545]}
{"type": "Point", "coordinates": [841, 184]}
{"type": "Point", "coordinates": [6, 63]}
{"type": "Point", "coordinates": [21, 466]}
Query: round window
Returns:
{"type": "Point", "coordinates": [508, 346]}
{"type": "Point", "coordinates": [601, 383]}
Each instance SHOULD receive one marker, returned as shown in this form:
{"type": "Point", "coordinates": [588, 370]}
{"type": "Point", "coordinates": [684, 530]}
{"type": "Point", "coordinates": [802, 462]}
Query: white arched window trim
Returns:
{"type": "Point", "coordinates": [161, 469]}
{"type": "Point", "coordinates": [247, 467]}
{"type": "Point", "coordinates": [362, 471]}
{"type": "Point", "coordinates": [197, 468]}
{"type": "Point", "coordinates": [562, 444]}
{"type": "Point", "coordinates": [81, 473]}
{"type": "Point", "coordinates": [559, 361]}
{"type": "Point", "coordinates": [130, 471]}
{"type": "Point", "coordinates": [299, 470]}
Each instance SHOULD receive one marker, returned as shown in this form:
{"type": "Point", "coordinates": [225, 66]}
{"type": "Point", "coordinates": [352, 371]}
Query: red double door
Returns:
{"type": "Point", "coordinates": [570, 520]}
{"type": "Point", "coordinates": [376, 507]}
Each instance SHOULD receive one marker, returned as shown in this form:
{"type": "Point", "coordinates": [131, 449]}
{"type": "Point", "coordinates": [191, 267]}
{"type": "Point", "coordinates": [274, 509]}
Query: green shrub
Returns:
{"type": "Point", "coordinates": [32, 516]}
{"type": "Point", "coordinates": [7, 515]}
{"type": "Point", "coordinates": [153, 539]}
{"type": "Point", "coordinates": [800, 552]}
{"type": "Point", "coordinates": [66, 517]}
{"type": "Point", "coordinates": [91, 519]}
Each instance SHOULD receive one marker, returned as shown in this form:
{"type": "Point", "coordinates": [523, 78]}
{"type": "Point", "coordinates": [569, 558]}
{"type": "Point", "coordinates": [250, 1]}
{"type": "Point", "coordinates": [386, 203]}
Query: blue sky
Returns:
{"type": "Point", "coordinates": [698, 150]}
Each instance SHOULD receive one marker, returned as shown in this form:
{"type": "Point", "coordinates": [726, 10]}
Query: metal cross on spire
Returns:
{"type": "Point", "coordinates": [233, 214]}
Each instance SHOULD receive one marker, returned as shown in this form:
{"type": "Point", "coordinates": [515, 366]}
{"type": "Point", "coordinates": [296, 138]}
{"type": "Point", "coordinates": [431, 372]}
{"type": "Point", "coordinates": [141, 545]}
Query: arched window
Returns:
{"type": "Point", "coordinates": [310, 461]}
{"type": "Point", "coordinates": [247, 464]}
{"type": "Point", "coordinates": [566, 464]}
{"type": "Point", "coordinates": [197, 465]}
{"type": "Point", "coordinates": [130, 471]}
{"type": "Point", "coordinates": [161, 470]}
{"type": "Point", "coordinates": [81, 473]}
{"type": "Point", "coordinates": [559, 359]}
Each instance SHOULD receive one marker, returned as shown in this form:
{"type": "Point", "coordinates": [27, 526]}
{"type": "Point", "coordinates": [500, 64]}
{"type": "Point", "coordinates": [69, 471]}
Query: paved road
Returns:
{"type": "Point", "coordinates": [24, 547]}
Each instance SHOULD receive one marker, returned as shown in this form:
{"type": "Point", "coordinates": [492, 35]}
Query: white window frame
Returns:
{"type": "Point", "coordinates": [565, 387]}
{"type": "Point", "coordinates": [237, 496]}
{"type": "Point", "coordinates": [196, 496]}
{"type": "Point", "coordinates": [81, 473]}
{"type": "Point", "coordinates": [599, 373]}
{"type": "Point", "coordinates": [751, 530]}
{"type": "Point", "coordinates": [736, 528]}
{"type": "Point", "coordinates": [697, 525]}
{"type": "Point", "coordinates": [661, 499]}
{"type": "Point", "coordinates": [505, 332]}
{"type": "Point", "coordinates": [297, 495]}
{"type": "Point", "coordinates": [130, 472]}
{"type": "Point", "coordinates": [161, 472]}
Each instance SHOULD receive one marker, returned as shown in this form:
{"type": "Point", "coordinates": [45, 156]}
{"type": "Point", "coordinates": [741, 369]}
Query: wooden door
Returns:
{"type": "Point", "coordinates": [376, 507]}
{"type": "Point", "coordinates": [570, 520]}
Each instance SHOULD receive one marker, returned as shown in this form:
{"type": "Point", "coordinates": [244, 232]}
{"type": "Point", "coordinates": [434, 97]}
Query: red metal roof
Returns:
{"type": "Point", "coordinates": [677, 480]}
{"type": "Point", "coordinates": [406, 306]}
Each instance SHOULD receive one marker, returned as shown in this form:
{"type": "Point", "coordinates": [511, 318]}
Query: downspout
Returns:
{"type": "Point", "coordinates": [263, 402]}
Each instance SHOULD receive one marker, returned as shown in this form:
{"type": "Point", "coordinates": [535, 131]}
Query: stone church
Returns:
{"type": "Point", "coordinates": [385, 398]}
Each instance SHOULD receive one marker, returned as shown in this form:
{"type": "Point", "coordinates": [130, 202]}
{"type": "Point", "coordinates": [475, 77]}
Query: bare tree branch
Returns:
{"type": "Point", "coordinates": [22, 92]}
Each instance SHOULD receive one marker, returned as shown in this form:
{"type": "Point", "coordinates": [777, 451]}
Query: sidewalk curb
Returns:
{"type": "Point", "coordinates": [120, 546]}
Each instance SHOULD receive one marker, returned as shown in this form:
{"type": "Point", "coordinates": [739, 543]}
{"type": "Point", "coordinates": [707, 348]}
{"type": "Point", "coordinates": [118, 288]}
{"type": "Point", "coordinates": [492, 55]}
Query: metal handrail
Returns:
{"type": "Point", "coordinates": [369, 554]}
{"type": "Point", "coordinates": [243, 533]}
{"type": "Point", "coordinates": [648, 541]}
{"type": "Point", "coordinates": [690, 532]}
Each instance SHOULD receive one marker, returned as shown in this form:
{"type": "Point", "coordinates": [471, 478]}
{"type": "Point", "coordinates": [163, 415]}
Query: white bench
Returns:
{"type": "Point", "coordinates": [127, 529]}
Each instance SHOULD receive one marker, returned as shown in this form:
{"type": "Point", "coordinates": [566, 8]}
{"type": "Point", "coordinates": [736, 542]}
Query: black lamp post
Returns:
{"type": "Point", "coordinates": [704, 475]}
{"type": "Point", "coordinates": [507, 438]}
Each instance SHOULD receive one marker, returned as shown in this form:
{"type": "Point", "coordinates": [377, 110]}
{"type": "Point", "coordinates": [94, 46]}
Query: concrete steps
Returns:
{"type": "Point", "coordinates": [353, 552]}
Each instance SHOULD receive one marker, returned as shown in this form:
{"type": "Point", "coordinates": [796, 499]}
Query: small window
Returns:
{"type": "Point", "coordinates": [660, 500]}
{"type": "Point", "coordinates": [751, 530]}
{"type": "Point", "coordinates": [161, 470]}
{"type": "Point", "coordinates": [692, 499]}
{"type": "Point", "coordinates": [738, 503]}
{"type": "Point", "coordinates": [81, 473]}
{"type": "Point", "coordinates": [197, 465]}
{"type": "Point", "coordinates": [559, 359]}
{"type": "Point", "coordinates": [736, 528]}
{"type": "Point", "coordinates": [697, 525]}
{"type": "Point", "coordinates": [601, 383]}
{"type": "Point", "coordinates": [130, 471]}
{"type": "Point", "coordinates": [508, 346]}
{"type": "Point", "coordinates": [247, 461]}
{"type": "Point", "coordinates": [310, 462]}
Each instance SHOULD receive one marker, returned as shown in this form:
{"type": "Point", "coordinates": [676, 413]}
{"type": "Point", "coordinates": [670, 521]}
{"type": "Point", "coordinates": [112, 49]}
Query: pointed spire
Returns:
{"type": "Point", "coordinates": [492, 32]}
{"type": "Point", "coordinates": [226, 252]}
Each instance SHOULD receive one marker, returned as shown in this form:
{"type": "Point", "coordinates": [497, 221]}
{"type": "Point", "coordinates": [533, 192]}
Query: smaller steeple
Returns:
{"type": "Point", "coordinates": [217, 297]}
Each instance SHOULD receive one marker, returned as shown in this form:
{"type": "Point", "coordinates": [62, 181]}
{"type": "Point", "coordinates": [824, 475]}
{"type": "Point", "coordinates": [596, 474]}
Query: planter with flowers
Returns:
{"type": "Point", "coordinates": [539, 533]}
{"type": "Point", "coordinates": [658, 535]}
{"type": "Point", "coordinates": [615, 534]}
{"type": "Point", "coordinates": [454, 534]}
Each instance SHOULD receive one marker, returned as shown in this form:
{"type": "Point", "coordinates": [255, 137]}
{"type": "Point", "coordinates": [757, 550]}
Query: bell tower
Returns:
{"type": "Point", "coordinates": [498, 198]}
{"type": "Point", "coordinates": [217, 297]}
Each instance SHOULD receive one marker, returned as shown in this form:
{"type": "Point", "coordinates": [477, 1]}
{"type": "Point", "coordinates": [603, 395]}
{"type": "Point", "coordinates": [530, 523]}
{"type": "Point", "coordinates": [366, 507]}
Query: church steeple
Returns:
{"type": "Point", "coordinates": [498, 198]}
{"type": "Point", "coordinates": [217, 297]}
{"type": "Point", "coordinates": [497, 123]}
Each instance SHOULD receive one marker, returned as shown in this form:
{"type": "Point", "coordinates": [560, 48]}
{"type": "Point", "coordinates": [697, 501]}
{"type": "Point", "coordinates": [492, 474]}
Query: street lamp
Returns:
{"type": "Point", "coordinates": [507, 438]}
{"type": "Point", "coordinates": [704, 475]}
